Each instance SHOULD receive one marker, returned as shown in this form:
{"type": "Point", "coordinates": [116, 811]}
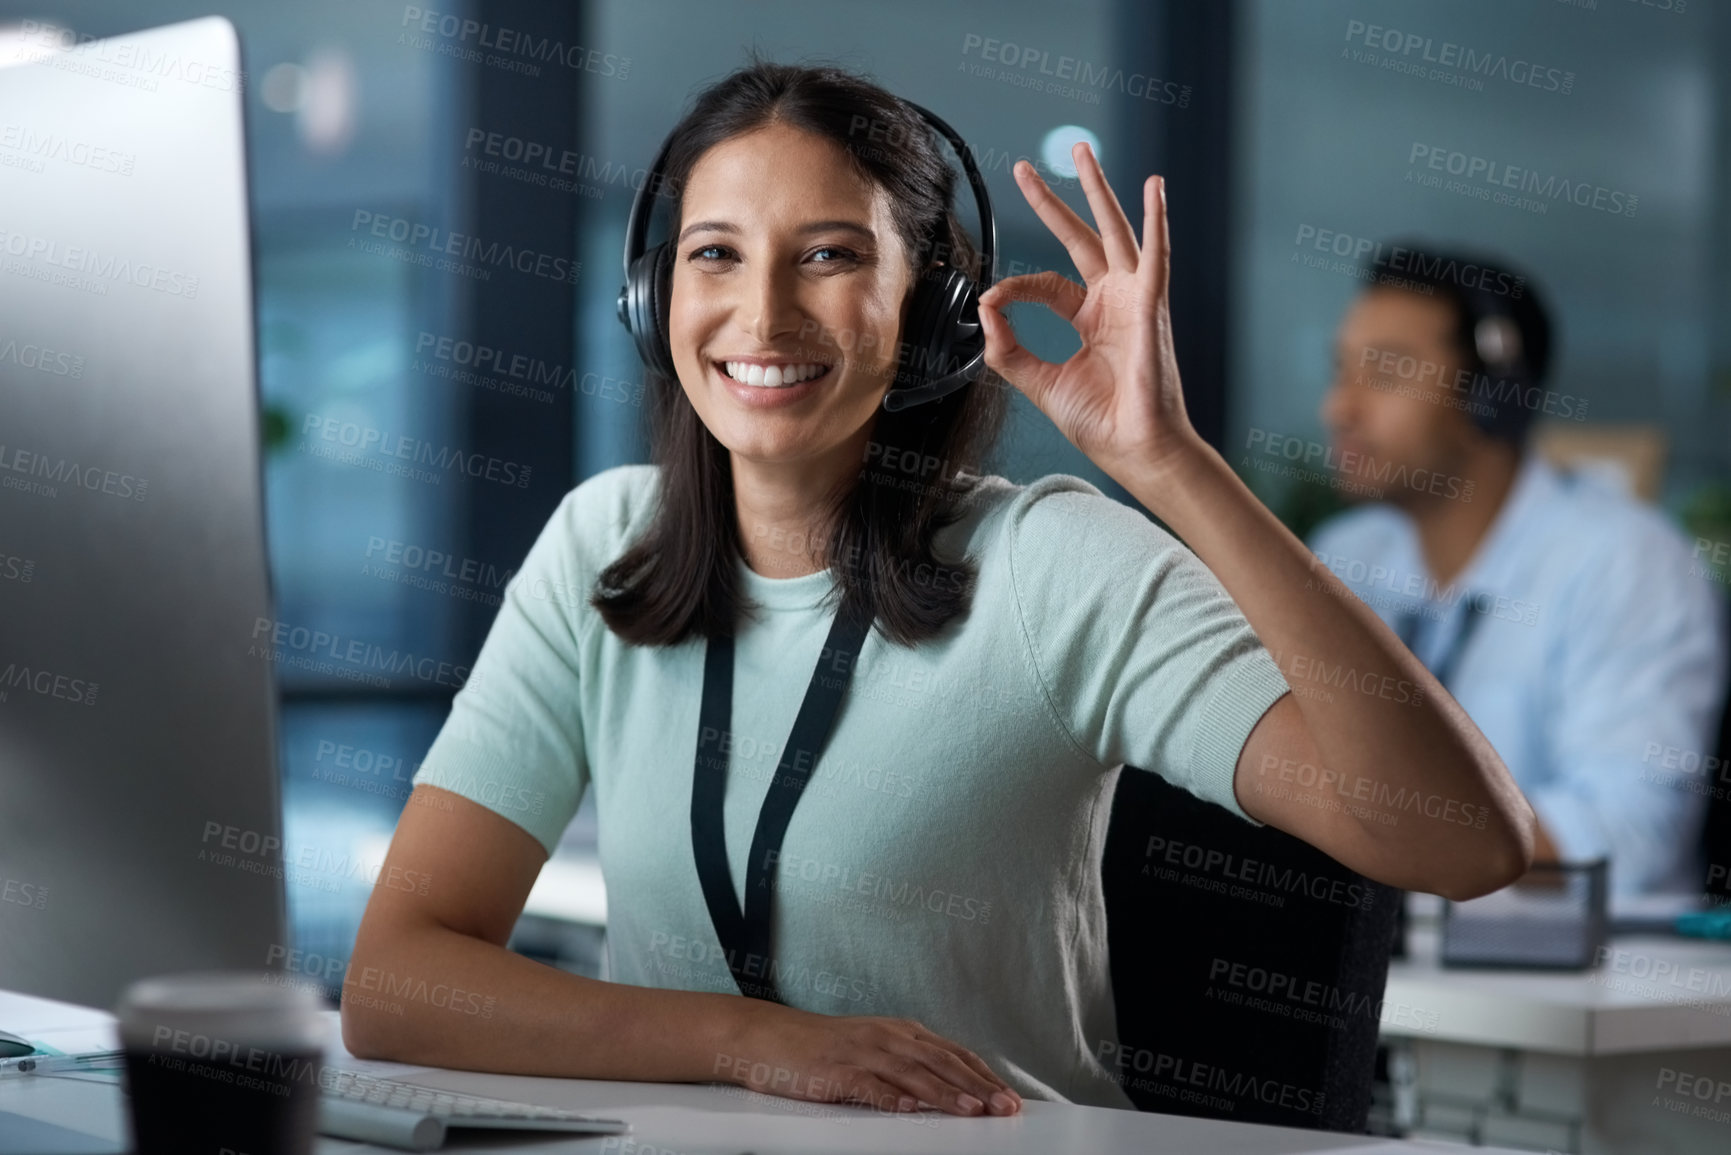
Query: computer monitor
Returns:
{"type": "Point", "coordinates": [140, 818]}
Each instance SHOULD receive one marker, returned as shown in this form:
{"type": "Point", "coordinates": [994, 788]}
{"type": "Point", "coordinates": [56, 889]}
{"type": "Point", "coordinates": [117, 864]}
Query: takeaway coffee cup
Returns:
{"type": "Point", "coordinates": [221, 1063]}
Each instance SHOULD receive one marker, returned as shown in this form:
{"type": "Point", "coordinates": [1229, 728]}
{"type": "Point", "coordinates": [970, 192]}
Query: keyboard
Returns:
{"type": "Point", "coordinates": [411, 1118]}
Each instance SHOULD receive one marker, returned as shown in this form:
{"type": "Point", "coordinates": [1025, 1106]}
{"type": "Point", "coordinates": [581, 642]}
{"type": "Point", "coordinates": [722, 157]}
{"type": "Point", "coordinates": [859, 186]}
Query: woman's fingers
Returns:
{"type": "Point", "coordinates": [1052, 289]}
{"type": "Point", "coordinates": [1115, 232]}
{"type": "Point", "coordinates": [1080, 241]}
{"type": "Point", "coordinates": [974, 1062]}
{"type": "Point", "coordinates": [892, 1064]}
{"type": "Point", "coordinates": [938, 1071]}
{"type": "Point", "coordinates": [914, 1075]}
{"type": "Point", "coordinates": [958, 1077]}
{"type": "Point", "coordinates": [1004, 353]}
{"type": "Point", "coordinates": [1156, 265]}
{"type": "Point", "coordinates": [1010, 360]}
{"type": "Point", "coordinates": [866, 1088]}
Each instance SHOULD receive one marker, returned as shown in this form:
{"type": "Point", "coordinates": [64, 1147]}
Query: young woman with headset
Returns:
{"type": "Point", "coordinates": [900, 868]}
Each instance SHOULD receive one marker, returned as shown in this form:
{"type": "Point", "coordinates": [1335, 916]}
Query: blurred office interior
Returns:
{"type": "Point", "coordinates": [1277, 142]}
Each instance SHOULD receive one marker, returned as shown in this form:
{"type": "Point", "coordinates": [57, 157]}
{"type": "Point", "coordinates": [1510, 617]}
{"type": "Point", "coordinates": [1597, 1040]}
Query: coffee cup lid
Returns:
{"type": "Point", "coordinates": [237, 1008]}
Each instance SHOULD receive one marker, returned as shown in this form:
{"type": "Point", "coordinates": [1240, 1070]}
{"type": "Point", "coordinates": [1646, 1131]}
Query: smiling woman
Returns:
{"type": "Point", "coordinates": [999, 653]}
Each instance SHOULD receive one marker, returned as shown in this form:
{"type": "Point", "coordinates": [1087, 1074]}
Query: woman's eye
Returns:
{"type": "Point", "coordinates": [705, 253]}
{"type": "Point", "coordinates": [845, 254]}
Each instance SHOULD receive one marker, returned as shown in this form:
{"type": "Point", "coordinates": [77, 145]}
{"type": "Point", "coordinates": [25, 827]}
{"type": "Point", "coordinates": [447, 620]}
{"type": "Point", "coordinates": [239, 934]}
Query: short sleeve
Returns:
{"type": "Point", "coordinates": [1143, 656]}
{"type": "Point", "coordinates": [513, 741]}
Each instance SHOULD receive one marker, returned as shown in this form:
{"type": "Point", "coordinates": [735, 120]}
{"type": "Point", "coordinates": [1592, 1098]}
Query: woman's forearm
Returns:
{"type": "Point", "coordinates": [1385, 720]}
{"type": "Point", "coordinates": [431, 995]}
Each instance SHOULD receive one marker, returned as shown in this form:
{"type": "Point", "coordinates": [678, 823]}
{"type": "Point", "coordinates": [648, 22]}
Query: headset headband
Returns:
{"type": "Point", "coordinates": [982, 199]}
{"type": "Point", "coordinates": [642, 205]}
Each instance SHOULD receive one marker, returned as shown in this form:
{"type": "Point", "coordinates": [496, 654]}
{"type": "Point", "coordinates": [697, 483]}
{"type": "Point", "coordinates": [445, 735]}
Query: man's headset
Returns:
{"type": "Point", "coordinates": [943, 346]}
{"type": "Point", "coordinates": [1495, 340]}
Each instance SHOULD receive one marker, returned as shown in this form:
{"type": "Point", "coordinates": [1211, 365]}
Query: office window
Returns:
{"type": "Point", "coordinates": [1339, 141]}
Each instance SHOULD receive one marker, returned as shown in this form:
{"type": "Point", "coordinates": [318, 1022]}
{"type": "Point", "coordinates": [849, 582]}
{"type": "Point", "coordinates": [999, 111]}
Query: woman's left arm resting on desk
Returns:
{"type": "Point", "coordinates": [1402, 749]}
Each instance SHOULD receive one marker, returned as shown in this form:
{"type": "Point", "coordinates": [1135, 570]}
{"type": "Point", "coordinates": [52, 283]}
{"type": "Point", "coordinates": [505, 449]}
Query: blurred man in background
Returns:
{"type": "Point", "coordinates": [1558, 610]}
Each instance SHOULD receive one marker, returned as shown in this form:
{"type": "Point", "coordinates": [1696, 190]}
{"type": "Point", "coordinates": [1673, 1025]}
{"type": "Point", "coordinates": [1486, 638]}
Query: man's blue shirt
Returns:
{"type": "Point", "coordinates": [1584, 643]}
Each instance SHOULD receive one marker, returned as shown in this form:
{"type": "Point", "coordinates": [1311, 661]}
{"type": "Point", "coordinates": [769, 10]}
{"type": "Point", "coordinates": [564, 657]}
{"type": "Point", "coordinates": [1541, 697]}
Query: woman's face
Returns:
{"type": "Point", "coordinates": [786, 264]}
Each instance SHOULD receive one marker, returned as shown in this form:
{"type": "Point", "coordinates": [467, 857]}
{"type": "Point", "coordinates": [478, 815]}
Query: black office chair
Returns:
{"type": "Point", "coordinates": [1188, 963]}
{"type": "Point", "coordinates": [1716, 832]}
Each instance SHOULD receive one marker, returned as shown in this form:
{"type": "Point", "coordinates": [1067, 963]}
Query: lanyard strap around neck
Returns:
{"type": "Point", "coordinates": [745, 938]}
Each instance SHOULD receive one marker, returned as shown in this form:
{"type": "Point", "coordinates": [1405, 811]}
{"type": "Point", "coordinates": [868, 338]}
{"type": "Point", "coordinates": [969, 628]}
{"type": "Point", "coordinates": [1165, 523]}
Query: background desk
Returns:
{"type": "Point", "coordinates": [681, 1119]}
{"type": "Point", "coordinates": [1614, 1060]}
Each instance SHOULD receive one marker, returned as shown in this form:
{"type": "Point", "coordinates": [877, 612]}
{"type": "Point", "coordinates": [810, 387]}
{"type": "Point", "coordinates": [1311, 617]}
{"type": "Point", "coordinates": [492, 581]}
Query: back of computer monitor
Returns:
{"type": "Point", "coordinates": [140, 820]}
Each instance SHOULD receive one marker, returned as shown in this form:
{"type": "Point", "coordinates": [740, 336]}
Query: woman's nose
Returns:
{"type": "Point", "coordinates": [771, 305]}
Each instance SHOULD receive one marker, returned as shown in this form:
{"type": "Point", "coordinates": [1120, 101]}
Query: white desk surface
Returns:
{"type": "Point", "coordinates": [687, 1119]}
{"type": "Point", "coordinates": [1655, 993]}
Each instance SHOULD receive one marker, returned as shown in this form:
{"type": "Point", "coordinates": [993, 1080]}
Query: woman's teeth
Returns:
{"type": "Point", "coordinates": [775, 376]}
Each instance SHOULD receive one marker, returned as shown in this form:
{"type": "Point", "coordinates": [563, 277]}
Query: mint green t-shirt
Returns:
{"type": "Point", "coordinates": [943, 863]}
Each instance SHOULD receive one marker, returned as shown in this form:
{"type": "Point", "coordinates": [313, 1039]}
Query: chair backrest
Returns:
{"type": "Point", "coordinates": [1247, 966]}
{"type": "Point", "coordinates": [1716, 833]}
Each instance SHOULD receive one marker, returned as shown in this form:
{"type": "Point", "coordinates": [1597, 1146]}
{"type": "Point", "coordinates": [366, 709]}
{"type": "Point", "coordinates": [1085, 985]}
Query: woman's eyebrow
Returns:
{"type": "Point", "coordinates": [809, 227]}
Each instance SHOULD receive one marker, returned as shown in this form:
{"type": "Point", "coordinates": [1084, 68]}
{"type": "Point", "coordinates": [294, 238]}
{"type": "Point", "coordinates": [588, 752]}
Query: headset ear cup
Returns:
{"type": "Point", "coordinates": [967, 335]}
{"type": "Point", "coordinates": [919, 332]}
{"type": "Point", "coordinates": [646, 300]}
{"type": "Point", "coordinates": [943, 326]}
{"type": "Point", "coordinates": [1507, 419]}
{"type": "Point", "coordinates": [1502, 367]}
{"type": "Point", "coordinates": [661, 289]}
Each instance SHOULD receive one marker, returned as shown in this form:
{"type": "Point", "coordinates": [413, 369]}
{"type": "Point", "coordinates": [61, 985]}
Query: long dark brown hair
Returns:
{"type": "Point", "coordinates": [679, 578]}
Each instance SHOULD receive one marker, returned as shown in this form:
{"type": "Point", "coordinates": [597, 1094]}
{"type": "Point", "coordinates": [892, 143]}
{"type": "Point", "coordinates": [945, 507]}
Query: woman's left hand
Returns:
{"type": "Point", "coordinates": [1118, 398]}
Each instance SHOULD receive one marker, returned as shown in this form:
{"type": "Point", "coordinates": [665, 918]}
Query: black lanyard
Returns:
{"type": "Point", "coordinates": [745, 938]}
{"type": "Point", "coordinates": [1478, 607]}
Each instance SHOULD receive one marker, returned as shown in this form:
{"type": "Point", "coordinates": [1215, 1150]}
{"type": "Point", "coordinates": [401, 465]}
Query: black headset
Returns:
{"type": "Point", "coordinates": [1494, 338]}
{"type": "Point", "coordinates": [943, 347]}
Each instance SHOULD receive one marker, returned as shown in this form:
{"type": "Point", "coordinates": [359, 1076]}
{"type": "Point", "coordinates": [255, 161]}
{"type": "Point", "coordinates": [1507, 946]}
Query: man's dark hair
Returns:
{"type": "Point", "coordinates": [1503, 331]}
